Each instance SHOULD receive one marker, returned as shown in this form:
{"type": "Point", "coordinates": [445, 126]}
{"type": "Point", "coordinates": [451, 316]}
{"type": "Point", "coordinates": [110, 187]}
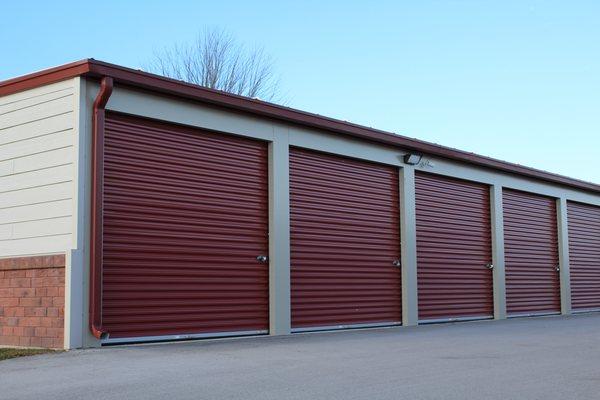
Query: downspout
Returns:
{"type": "Point", "coordinates": [106, 87]}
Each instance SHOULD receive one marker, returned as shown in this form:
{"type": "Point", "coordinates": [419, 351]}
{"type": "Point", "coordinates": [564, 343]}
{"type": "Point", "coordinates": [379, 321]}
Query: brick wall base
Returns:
{"type": "Point", "coordinates": [32, 298]}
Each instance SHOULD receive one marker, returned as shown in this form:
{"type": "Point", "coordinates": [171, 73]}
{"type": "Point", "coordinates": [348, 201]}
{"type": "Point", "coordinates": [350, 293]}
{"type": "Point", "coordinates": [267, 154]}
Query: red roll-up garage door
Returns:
{"type": "Point", "coordinates": [344, 241]}
{"type": "Point", "coordinates": [453, 248]}
{"type": "Point", "coordinates": [185, 216]}
{"type": "Point", "coordinates": [584, 255]}
{"type": "Point", "coordinates": [531, 253]}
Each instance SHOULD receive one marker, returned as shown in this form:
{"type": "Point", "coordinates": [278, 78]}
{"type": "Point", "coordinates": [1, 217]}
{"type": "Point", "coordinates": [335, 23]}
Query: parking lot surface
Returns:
{"type": "Point", "coordinates": [529, 358]}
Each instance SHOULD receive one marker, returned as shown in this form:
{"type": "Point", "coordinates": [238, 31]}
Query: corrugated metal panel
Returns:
{"type": "Point", "coordinates": [185, 216]}
{"type": "Point", "coordinates": [584, 253]}
{"type": "Point", "coordinates": [344, 240]}
{"type": "Point", "coordinates": [531, 253]}
{"type": "Point", "coordinates": [453, 248]}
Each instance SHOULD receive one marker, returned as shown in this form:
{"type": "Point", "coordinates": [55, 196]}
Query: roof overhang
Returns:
{"type": "Point", "coordinates": [126, 76]}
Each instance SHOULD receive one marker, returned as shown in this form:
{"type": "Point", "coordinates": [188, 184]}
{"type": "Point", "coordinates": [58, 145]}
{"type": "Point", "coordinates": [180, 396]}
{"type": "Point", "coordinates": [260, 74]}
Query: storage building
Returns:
{"type": "Point", "coordinates": [139, 208]}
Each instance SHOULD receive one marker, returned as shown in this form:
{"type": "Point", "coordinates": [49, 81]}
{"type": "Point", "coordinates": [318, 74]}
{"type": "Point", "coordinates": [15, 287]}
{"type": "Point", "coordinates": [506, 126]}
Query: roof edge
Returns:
{"type": "Point", "coordinates": [156, 83]}
{"type": "Point", "coordinates": [44, 77]}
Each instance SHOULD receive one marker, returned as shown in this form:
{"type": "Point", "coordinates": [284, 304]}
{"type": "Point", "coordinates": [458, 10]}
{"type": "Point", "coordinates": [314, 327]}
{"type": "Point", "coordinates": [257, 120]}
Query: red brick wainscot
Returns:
{"type": "Point", "coordinates": [32, 299]}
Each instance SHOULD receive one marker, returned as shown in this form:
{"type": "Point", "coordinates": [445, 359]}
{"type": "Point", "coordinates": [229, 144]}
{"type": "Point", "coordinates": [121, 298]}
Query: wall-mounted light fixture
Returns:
{"type": "Point", "coordinates": [412, 159]}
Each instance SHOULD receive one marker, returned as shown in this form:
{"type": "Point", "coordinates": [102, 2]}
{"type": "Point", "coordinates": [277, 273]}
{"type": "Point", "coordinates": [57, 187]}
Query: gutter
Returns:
{"type": "Point", "coordinates": [98, 118]}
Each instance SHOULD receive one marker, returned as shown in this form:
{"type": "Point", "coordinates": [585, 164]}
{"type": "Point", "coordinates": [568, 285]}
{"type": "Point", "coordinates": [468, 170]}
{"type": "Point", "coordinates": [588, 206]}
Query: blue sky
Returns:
{"type": "Point", "coordinates": [516, 80]}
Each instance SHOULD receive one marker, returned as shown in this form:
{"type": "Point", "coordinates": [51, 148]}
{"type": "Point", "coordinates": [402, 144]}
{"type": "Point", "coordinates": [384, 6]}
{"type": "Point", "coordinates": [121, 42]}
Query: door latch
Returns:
{"type": "Point", "coordinates": [557, 268]}
{"type": "Point", "coordinates": [262, 259]}
{"type": "Point", "coordinates": [489, 266]}
{"type": "Point", "coordinates": [397, 263]}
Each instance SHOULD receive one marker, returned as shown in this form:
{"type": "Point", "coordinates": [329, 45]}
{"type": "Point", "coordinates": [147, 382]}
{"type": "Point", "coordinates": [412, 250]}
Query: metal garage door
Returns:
{"type": "Point", "coordinates": [344, 241]}
{"type": "Point", "coordinates": [185, 217]}
{"type": "Point", "coordinates": [531, 253]}
{"type": "Point", "coordinates": [454, 248]}
{"type": "Point", "coordinates": [584, 255]}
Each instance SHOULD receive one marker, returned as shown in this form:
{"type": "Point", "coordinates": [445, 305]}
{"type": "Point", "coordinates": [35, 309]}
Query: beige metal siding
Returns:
{"type": "Point", "coordinates": [36, 170]}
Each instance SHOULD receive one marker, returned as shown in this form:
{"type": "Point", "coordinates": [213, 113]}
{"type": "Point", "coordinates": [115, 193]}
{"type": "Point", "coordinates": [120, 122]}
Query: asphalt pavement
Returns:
{"type": "Point", "coordinates": [528, 358]}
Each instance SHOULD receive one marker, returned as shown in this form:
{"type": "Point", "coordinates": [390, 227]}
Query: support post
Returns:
{"type": "Point", "coordinates": [279, 234]}
{"type": "Point", "coordinates": [499, 271]}
{"type": "Point", "coordinates": [563, 256]}
{"type": "Point", "coordinates": [408, 237]}
{"type": "Point", "coordinates": [77, 333]}
{"type": "Point", "coordinates": [73, 317]}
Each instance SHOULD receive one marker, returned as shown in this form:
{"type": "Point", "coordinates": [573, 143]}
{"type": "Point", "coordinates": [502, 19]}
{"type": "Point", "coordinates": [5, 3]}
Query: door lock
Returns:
{"type": "Point", "coordinates": [262, 259]}
{"type": "Point", "coordinates": [489, 266]}
{"type": "Point", "coordinates": [397, 263]}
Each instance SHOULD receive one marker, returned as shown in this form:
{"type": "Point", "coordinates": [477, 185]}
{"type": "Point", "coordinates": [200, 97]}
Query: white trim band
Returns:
{"type": "Point", "coordinates": [181, 337]}
{"type": "Point", "coordinates": [457, 319]}
{"type": "Point", "coordinates": [340, 327]}
{"type": "Point", "coordinates": [586, 310]}
{"type": "Point", "coordinates": [534, 314]}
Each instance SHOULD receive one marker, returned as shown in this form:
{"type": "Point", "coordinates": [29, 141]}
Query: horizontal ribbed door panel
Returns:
{"type": "Point", "coordinates": [344, 240]}
{"type": "Point", "coordinates": [185, 216]}
{"type": "Point", "coordinates": [453, 248]}
{"type": "Point", "coordinates": [584, 255]}
{"type": "Point", "coordinates": [531, 253]}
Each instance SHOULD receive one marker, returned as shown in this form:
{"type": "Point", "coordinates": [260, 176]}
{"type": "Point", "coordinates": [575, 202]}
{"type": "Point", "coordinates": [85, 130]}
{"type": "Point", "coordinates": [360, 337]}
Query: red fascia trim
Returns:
{"type": "Point", "coordinates": [44, 77]}
{"type": "Point", "coordinates": [98, 118]}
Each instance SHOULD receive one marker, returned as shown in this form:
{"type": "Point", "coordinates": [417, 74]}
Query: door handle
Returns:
{"type": "Point", "coordinates": [397, 263]}
{"type": "Point", "coordinates": [557, 268]}
{"type": "Point", "coordinates": [262, 259]}
{"type": "Point", "coordinates": [489, 266]}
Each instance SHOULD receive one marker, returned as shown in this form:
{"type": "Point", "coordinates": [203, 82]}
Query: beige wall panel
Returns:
{"type": "Point", "coordinates": [36, 170]}
{"type": "Point", "coordinates": [37, 112]}
{"type": "Point", "coordinates": [40, 228]}
{"type": "Point", "coordinates": [38, 194]}
{"type": "Point", "coordinates": [53, 124]}
{"type": "Point", "coordinates": [35, 92]}
{"type": "Point", "coordinates": [34, 162]}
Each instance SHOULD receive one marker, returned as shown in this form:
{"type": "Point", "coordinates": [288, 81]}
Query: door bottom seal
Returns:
{"type": "Point", "coordinates": [186, 336]}
{"type": "Point", "coordinates": [347, 326]}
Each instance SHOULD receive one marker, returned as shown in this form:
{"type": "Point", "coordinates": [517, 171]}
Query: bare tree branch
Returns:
{"type": "Point", "coordinates": [216, 60]}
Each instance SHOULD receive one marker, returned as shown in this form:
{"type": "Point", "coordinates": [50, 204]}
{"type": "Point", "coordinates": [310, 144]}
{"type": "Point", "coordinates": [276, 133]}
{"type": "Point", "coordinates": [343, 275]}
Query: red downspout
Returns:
{"type": "Point", "coordinates": [106, 87]}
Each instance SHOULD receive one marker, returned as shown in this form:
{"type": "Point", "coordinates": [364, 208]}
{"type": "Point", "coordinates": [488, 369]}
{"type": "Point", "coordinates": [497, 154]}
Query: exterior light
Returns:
{"type": "Point", "coordinates": [412, 159]}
